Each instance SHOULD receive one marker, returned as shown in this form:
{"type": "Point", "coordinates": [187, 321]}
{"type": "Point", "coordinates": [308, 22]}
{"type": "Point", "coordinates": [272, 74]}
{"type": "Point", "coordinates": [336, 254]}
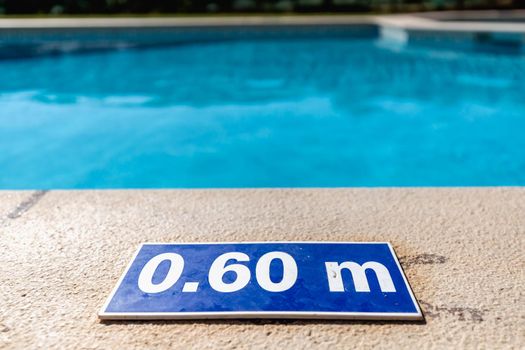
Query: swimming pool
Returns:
{"type": "Point", "coordinates": [294, 112]}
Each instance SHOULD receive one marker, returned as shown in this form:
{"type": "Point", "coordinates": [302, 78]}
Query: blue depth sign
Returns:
{"type": "Point", "coordinates": [263, 280]}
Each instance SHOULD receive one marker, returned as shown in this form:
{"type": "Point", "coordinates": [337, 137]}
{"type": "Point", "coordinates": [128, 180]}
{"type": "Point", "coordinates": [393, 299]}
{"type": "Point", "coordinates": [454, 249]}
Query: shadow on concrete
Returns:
{"type": "Point", "coordinates": [263, 322]}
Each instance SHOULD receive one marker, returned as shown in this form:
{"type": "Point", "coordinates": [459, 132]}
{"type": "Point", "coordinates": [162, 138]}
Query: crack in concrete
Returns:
{"type": "Point", "coordinates": [4, 328]}
{"type": "Point", "coordinates": [27, 204]}
{"type": "Point", "coordinates": [422, 259]}
{"type": "Point", "coordinates": [462, 313]}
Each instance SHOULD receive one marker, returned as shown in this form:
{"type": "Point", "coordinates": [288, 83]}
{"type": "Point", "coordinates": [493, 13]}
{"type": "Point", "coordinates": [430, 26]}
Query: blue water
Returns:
{"type": "Point", "coordinates": [265, 113]}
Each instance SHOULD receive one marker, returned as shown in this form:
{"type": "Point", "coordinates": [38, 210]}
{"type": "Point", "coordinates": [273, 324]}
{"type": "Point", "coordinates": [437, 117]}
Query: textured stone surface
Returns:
{"type": "Point", "coordinates": [462, 250]}
{"type": "Point", "coordinates": [9, 203]}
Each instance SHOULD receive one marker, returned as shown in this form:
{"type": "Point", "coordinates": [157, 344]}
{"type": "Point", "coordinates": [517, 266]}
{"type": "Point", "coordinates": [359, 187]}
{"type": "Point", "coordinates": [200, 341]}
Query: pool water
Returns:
{"type": "Point", "coordinates": [263, 113]}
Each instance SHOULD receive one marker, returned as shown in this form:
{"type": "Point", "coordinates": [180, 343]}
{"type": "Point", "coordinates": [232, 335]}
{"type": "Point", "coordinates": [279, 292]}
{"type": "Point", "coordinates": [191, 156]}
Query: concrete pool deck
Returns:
{"type": "Point", "coordinates": [21, 37]}
{"type": "Point", "coordinates": [439, 21]}
{"type": "Point", "coordinates": [461, 248]}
